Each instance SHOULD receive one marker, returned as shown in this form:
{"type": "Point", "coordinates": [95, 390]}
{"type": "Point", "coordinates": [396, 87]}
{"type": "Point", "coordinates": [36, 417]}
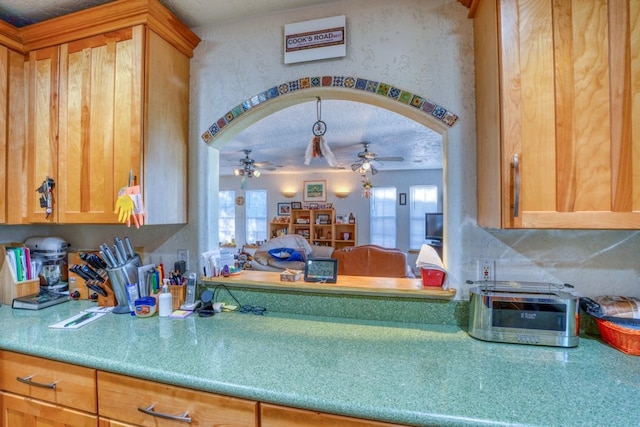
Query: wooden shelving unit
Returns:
{"type": "Point", "coordinates": [318, 226]}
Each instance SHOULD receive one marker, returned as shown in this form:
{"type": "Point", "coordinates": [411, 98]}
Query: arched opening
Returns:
{"type": "Point", "coordinates": [270, 102]}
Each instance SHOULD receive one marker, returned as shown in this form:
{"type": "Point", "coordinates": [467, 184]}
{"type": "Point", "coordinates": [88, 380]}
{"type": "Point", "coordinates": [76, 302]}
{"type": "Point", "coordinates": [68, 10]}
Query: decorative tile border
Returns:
{"type": "Point", "coordinates": [355, 83]}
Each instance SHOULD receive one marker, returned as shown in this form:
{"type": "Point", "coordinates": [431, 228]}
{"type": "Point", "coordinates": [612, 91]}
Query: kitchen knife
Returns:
{"type": "Point", "coordinates": [98, 289]}
{"type": "Point", "coordinates": [109, 255]}
{"type": "Point", "coordinates": [131, 252]}
{"type": "Point", "coordinates": [106, 259]}
{"type": "Point", "coordinates": [78, 270]}
{"type": "Point", "coordinates": [119, 256]}
{"type": "Point", "coordinates": [121, 249]}
{"type": "Point", "coordinates": [94, 275]}
{"type": "Point", "coordinates": [97, 262]}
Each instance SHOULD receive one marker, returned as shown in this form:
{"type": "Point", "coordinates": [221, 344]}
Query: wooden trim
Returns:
{"type": "Point", "coordinates": [603, 220]}
{"type": "Point", "coordinates": [621, 109]}
{"type": "Point", "coordinates": [10, 37]}
{"type": "Point", "coordinates": [353, 285]}
{"type": "Point", "coordinates": [111, 16]}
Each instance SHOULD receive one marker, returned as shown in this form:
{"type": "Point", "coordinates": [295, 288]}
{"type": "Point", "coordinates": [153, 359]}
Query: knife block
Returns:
{"type": "Point", "coordinates": [77, 283]}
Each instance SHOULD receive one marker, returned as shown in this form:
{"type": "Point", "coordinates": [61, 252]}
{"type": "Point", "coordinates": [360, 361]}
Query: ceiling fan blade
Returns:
{"type": "Point", "coordinates": [262, 164]}
{"type": "Point", "coordinates": [243, 182]}
{"type": "Point", "coordinates": [390, 159]}
{"type": "Point", "coordinates": [268, 168]}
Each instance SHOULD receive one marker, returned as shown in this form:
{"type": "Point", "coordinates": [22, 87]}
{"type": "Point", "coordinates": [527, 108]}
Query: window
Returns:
{"type": "Point", "coordinates": [227, 216]}
{"type": "Point", "coordinates": [422, 199]}
{"type": "Point", "coordinates": [382, 225]}
{"type": "Point", "coordinates": [256, 205]}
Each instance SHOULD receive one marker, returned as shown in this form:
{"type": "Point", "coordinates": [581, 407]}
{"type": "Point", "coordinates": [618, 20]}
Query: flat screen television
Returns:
{"type": "Point", "coordinates": [433, 226]}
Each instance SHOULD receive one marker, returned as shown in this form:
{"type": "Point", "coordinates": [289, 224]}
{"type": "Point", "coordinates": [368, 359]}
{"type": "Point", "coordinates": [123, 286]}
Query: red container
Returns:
{"type": "Point", "coordinates": [431, 277]}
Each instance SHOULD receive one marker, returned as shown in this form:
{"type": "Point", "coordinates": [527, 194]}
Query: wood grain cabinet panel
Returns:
{"type": "Point", "coordinates": [121, 398]}
{"type": "Point", "coordinates": [554, 86]}
{"type": "Point", "coordinates": [75, 386]}
{"type": "Point", "coordinates": [23, 411]}
{"type": "Point", "coordinates": [280, 416]}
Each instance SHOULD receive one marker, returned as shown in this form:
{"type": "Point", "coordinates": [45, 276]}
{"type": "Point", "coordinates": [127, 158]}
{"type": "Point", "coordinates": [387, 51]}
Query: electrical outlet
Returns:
{"type": "Point", "coordinates": [183, 255]}
{"type": "Point", "coordinates": [486, 271]}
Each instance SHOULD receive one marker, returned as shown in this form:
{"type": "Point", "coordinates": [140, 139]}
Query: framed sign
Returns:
{"type": "Point", "coordinates": [315, 191]}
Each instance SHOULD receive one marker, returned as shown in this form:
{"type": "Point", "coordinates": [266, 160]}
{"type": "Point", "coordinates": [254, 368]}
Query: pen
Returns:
{"type": "Point", "coordinates": [79, 319]}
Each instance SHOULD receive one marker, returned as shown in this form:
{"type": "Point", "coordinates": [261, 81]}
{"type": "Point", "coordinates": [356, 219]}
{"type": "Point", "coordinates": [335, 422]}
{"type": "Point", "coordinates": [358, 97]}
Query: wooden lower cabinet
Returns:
{"type": "Point", "coordinates": [24, 411]}
{"type": "Point", "coordinates": [46, 380]}
{"type": "Point", "coordinates": [122, 398]}
{"type": "Point", "coordinates": [280, 416]}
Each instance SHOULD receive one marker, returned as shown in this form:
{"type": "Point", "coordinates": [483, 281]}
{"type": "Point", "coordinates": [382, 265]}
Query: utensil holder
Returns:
{"type": "Point", "coordinates": [178, 293]}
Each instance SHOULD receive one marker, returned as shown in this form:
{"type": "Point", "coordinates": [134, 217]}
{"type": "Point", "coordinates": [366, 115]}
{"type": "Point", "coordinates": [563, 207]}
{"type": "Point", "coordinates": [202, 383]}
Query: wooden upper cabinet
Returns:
{"type": "Point", "coordinates": [554, 87]}
{"type": "Point", "coordinates": [108, 98]}
{"type": "Point", "coordinates": [42, 135]}
{"type": "Point", "coordinates": [100, 130]}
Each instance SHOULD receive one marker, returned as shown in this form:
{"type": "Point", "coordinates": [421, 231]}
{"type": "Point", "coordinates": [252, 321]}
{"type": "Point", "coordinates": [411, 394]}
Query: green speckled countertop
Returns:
{"type": "Point", "coordinates": [416, 374]}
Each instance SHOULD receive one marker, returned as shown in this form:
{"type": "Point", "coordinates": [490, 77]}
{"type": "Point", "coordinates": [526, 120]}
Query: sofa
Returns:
{"type": "Point", "coordinates": [264, 261]}
{"type": "Point", "coordinates": [372, 261]}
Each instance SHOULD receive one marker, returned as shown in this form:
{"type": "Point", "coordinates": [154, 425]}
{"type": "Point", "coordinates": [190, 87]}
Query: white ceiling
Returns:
{"type": "Point", "coordinates": [348, 123]}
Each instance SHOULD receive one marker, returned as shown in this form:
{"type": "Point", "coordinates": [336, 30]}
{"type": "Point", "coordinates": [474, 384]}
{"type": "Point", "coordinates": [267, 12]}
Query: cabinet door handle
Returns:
{"type": "Point", "coordinates": [149, 411]}
{"type": "Point", "coordinates": [27, 380]}
{"type": "Point", "coordinates": [516, 186]}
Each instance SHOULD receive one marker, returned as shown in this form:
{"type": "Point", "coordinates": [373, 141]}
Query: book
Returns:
{"type": "Point", "coordinates": [39, 300]}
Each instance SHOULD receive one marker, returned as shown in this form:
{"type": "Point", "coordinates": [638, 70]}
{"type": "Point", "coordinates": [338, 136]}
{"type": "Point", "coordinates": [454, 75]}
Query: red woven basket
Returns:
{"type": "Point", "coordinates": [626, 340]}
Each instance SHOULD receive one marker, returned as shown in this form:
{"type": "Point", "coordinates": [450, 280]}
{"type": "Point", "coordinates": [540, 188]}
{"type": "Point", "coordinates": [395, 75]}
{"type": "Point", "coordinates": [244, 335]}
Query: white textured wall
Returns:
{"type": "Point", "coordinates": [426, 47]}
{"type": "Point", "coordinates": [423, 46]}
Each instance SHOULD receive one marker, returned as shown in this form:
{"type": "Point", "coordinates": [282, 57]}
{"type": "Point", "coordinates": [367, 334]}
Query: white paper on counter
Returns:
{"type": "Point", "coordinates": [96, 315]}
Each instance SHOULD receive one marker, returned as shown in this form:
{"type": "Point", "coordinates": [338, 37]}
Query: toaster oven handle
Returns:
{"type": "Point", "coordinates": [516, 186]}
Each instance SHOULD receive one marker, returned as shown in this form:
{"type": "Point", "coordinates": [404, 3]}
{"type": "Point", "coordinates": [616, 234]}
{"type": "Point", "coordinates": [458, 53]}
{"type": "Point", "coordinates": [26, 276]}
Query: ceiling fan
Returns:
{"type": "Point", "coordinates": [366, 159]}
{"type": "Point", "coordinates": [249, 168]}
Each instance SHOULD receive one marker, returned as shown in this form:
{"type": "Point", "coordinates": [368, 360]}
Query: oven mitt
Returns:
{"type": "Point", "coordinates": [124, 208]}
{"type": "Point", "coordinates": [138, 206]}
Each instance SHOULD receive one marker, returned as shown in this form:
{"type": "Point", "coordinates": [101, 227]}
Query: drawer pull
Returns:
{"type": "Point", "coordinates": [27, 380]}
{"type": "Point", "coordinates": [149, 411]}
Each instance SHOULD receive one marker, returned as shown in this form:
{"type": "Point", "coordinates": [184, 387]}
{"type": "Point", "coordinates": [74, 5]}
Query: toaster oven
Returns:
{"type": "Point", "coordinates": [524, 313]}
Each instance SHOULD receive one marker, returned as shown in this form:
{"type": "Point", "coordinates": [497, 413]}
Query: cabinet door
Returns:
{"type": "Point", "coordinates": [23, 411]}
{"type": "Point", "coordinates": [280, 416]}
{"type": "Point", "coordinates": [42, 140]}
{"type": "Point", "coordinates": [565, 74]}
{"type": "Point", "coordinates": [100, 123]}
{"type": "Point", "coordinates": [73, 386]}
{"type": "Point", "coordinates": [16, 139]}
{"type": "Point", "coordinates": [147, 403]}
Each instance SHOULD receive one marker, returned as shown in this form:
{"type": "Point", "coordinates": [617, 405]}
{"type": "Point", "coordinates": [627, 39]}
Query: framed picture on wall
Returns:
{"type": "Point", "coordinates": [284, 209]}
{"type": "Point", "coordinates": [296, 205]}
{"type": "Point", "coordinates": [315, 191]}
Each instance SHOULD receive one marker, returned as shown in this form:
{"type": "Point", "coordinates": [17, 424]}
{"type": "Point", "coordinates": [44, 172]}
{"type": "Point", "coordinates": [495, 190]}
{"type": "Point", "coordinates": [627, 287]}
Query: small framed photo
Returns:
{"type": "Point", "coordinates": [296, 205]}
{"type": "Point", "coordinates": [315, 191]}
{"type": "Point", "coordinates": [403, 199]}
{"type": "Point", "coordinates": [313, 206]}
{"type": "Point", "coordinates": [284, 209]}
{"type": "Point", "coordinates": [323, 219]}
{"type": "Point", "coordinates": [328, 206]}
{"type": "Point", "coordinates": [340, 219]}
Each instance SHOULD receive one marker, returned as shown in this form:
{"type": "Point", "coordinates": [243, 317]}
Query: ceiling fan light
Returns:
{"type": "Point", "coordinates": [238, 172]}
{"type": "Point", "coordinates": [366, 166]}
{"type": "Point", "coordinates": [355, 167]}
{"type": "Point", "coordinates": [373, 170]}
{"type": "Point", "coordinates": [256, 174]}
